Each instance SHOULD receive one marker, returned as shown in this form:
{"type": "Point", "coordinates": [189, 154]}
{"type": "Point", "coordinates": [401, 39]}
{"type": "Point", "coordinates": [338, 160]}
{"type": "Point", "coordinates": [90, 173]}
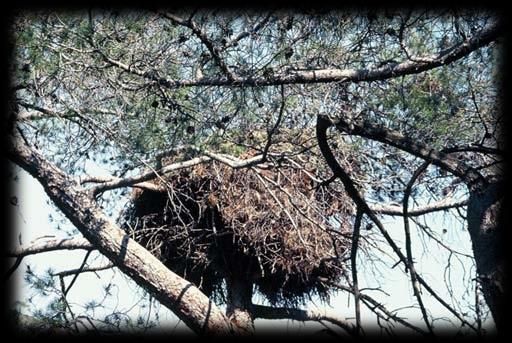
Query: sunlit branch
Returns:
{"type": "Point", "coordinates": [266, 312]}
{"type": "Point", "coordinates": [40, 246]}
{"type": "Point", "coordinates": [442, 205]}
{"type": "Point", "coordinates": [408, 67]}
{"type": "Point", "coordinates": [140, 179]}
{"type": "Point", "coordinates": [174, 292]}
{"type": "Point", "coordinates": [43, 113]}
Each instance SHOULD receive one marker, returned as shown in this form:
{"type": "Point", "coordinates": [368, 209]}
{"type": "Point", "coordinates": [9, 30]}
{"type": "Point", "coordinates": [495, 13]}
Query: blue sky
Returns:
{"type": "Point", "coordinates": [31, 218]}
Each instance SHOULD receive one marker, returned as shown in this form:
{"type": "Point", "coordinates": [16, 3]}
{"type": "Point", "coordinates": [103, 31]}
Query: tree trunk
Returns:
{"type": "Point", "coordinates": [239, 305]}
{"type": "Point", "coordinates": [192, 306]}
{"type": "Point", "coordinates": [485, 227]}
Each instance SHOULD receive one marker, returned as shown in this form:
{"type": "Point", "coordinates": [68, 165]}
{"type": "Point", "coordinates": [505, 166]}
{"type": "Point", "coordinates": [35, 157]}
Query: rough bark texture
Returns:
{"type": "Point", "coordinates": [185, 300]}
{"type": "Point", "coordinates": [487, 236]}
{"type": "Point", "coordinates": [239, 309]}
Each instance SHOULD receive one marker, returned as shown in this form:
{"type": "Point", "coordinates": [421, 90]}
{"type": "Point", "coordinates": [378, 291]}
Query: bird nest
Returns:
{"type": "Point", "coordinates": [274, 226]}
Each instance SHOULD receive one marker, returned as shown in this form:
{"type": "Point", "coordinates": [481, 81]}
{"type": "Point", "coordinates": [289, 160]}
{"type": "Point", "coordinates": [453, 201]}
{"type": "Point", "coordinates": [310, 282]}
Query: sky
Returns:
{"type": "Point", "coordinates": [32, 221]}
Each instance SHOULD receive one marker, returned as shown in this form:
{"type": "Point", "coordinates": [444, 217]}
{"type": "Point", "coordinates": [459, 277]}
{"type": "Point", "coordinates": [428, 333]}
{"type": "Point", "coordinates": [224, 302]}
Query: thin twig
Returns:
{"type": "Point", "coordinates": [78, 272]}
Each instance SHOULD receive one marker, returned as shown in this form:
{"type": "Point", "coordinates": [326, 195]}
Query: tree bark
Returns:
{"type": "Point", "coordinates": [184, 299]}
{"type": "Point", "coordinates": [239, 305]}
{"type": "Point", "coordinates": [40, 246]}
{"type": "Point", "coordinates": [420, 64]}
{"type": "Point", "coordinates": [485, 226]}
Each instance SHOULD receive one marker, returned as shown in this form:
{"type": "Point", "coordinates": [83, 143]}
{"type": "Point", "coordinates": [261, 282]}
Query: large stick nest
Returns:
{"type": "Point", "coordinates": [275, 227]}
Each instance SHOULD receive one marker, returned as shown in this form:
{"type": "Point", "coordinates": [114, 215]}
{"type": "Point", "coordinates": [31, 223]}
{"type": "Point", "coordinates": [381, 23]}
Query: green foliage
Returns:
{"type": "Point", "coordinates": [43, 284]}
{"type": "Point", "coordinates": [105, 85]}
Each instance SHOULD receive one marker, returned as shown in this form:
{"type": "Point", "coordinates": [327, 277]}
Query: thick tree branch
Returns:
{"type": "Point", "coordinates": [323, 123]}
{"type": "Point", "coordinates": [135, 181]}
{"type": "Point", "coordinates": [442, 205]}
{"type": "Point", "coordinates": [239, 305]}
{"type": "Point", "coordinates": [481, 149]}
{"type": "Point", "coordinates": [45, 113]}
{"type": "Point", "coordinates": [174, 292]}
{"type": "Point", "coordinates": [139, 180]}
{"type": "Point", "coordinates": [488, 230]}
{"type": "Point", "coordinates": [394, 138]}
{"type": "Point", "coordinates": [13, 267]}
{"type": "Point", "coordinates": [266, 312]}
{"type": "Point", "coordinates": [408, 67]}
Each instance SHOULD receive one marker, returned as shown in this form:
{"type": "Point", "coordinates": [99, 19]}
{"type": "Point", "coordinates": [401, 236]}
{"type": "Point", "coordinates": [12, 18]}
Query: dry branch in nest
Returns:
{"type": "Point", "coordinates": [274, 227]}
